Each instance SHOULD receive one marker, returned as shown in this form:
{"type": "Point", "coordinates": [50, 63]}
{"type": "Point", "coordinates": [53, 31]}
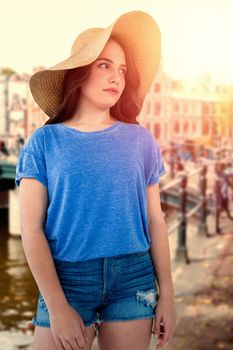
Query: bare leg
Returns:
{"type": "Point", "coordinates": [127, 335]}
{"type": "Point", "coordinates": [43, 338]}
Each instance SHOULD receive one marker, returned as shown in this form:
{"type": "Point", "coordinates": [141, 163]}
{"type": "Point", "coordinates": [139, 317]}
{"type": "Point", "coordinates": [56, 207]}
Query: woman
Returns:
{"type": "Point", "coordinates": [92, 227]}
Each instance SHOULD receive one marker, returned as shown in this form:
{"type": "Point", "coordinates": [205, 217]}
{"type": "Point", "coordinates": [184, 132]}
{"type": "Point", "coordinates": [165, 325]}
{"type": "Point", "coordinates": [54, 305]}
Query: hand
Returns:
{"type": "Point", "coordinates": [164, 323]}
{"type": "Point", "coordinates": [68, 328]}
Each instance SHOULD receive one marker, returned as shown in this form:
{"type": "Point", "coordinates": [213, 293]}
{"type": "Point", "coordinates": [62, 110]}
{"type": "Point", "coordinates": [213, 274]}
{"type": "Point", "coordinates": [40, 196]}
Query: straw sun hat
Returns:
{"type": "Point", "coordinates": [139, 33]}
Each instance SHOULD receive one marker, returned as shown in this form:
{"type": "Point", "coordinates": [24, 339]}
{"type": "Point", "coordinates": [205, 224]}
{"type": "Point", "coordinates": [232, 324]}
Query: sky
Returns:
{"type": "Point", "coordinates": [196, 34]}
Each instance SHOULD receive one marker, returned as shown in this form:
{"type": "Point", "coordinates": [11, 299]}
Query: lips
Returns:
{"type": "Point", "coordinates": [112, 90]}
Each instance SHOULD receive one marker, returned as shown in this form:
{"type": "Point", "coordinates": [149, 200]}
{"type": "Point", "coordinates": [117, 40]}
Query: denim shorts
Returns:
{"type": "Point", "coordinates": [118, 288]}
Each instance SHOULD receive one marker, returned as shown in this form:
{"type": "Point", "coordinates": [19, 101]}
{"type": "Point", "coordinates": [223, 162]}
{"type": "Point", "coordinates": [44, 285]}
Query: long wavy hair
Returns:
{"type": "Point", "coordinates": [126, 108]}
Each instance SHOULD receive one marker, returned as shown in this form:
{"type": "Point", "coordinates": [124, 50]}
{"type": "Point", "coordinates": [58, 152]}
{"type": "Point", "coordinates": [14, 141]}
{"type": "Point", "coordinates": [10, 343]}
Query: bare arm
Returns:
{"type": "Point", "coordinates": [165, 320]}
{"type": "Point", "coordinates": [33, 203]}
{"type": "Point", "coordinates": [67, 326]}
{"type": "Point", "coordinates": [159, 241]}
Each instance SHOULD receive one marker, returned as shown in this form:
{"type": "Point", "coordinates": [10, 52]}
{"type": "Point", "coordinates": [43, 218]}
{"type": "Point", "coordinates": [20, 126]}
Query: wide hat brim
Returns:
{"type": "Point", "coordinates": [139, 33]}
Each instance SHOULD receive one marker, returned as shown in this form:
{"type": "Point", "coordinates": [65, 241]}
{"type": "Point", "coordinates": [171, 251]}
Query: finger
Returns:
{"type": "Point", "coordinates": [75, 345]}
{"type": "Point", "coordinates": [80, 341]}
{"type": "Point", "coordinates": [153, 326]}
{"type": "Point", "coordinates": [84, 331]}
{"type": "Point", "coordinates": [67, 345]}
{"type": "Point", "coordinates": [59, 343]}
{"type": "Point", "coordinates": [160, 337]}
{"type": "Point", "coordinates": [159, 345]}
{"type": "Point", "coordinates": [167, 332]}
{"type": "Point", "coordinates": [165, 337]}
{"type": "Point", "coordinates": [72, 345]}
{"type": "Point", "coordinates": [77, 342]}
{"type": "Point", "coordinates": [157, 326]}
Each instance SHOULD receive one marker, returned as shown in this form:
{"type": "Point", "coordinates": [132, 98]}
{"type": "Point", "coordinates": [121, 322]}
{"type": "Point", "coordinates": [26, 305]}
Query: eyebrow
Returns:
{"type": "Point", "coordinates": [107, 59]}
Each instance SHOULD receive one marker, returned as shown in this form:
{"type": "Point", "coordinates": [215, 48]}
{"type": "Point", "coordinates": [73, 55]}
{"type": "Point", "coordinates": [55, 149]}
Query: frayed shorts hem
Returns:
{"type": "Point", "coordinates": [125, 319]}
{"type": "Point", "coordinates": [87, 324]}
{"type": "Point", "coordinates": [47, 325]}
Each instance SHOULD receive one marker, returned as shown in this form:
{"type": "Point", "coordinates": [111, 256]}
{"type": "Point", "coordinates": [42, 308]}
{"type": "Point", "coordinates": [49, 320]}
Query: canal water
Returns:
{"type": "Point", "coordinates": [18, 291]}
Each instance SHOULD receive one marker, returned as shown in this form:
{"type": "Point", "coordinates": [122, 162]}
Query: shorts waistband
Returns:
{"type": "Point", "coordinates": [142, 253]}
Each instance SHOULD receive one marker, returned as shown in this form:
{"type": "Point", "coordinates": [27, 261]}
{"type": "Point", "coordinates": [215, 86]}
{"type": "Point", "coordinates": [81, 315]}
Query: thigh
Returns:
{"type": "Point", "coordinates": [43, 338]}
{"type": "Point", "coordinates": [127, 335]}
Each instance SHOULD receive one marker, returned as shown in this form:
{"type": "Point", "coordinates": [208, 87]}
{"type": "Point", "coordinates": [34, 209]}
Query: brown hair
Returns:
{"type": "Point", "coordinates": [127, 107]}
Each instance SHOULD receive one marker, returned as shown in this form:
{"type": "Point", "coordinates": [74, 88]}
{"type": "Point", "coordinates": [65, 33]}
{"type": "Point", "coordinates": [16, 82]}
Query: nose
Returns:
{"type": "Point", "coordinates": [115, 76]}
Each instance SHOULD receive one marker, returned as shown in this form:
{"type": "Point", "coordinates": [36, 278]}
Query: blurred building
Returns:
{"type": "Point", "coordinates": [19, 114]}
{"type": "Point", "coordinates": [173, 110]}
{"type": "Point", "coordinates": [196, 110]}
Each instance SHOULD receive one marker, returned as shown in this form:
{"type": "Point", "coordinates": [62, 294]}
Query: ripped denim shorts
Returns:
{"type": "Point", "coordinates": [118, 288]}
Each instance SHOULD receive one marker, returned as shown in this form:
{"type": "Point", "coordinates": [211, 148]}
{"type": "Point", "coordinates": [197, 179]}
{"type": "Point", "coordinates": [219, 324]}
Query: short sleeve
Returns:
{"type": "Point", "coordinates": [31, 161]}
{"type": "Point", "coordinates": [155, 163]}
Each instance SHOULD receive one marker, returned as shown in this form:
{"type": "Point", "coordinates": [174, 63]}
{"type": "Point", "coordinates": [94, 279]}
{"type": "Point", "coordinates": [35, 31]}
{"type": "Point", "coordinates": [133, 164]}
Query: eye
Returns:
{"type": "Point", "coordinates": [104, 63]}
{"type": "Point", "coordinates": [124, 71]}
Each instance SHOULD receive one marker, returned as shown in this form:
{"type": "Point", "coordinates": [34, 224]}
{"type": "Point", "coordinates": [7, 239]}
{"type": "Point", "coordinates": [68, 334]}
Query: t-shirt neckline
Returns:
{"type": "Point", "coordinates": [97, 132]}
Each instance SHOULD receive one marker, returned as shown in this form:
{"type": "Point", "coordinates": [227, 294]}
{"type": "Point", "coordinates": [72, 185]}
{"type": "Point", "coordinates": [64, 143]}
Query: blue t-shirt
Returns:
{"type": "Point", "coordinates": [96, 183]}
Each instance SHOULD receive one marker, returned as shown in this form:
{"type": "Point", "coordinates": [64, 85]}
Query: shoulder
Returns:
{"type": "Point", "coordinates": [35, 141]}
{"type": "Point", "coordinates": [140, 131]}
{"type": "Point", "coordinates": [135, 127]}
{"type": "Point", "coordinates": [143, 137]}
{"type": "Point", "coordinates": [41, 132]}
{"type": "Point", "coordinates": [37, 134]}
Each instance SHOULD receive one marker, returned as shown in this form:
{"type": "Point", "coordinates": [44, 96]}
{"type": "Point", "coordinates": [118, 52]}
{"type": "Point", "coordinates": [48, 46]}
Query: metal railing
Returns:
{"type": "Point", "coordinates": [200, 207]}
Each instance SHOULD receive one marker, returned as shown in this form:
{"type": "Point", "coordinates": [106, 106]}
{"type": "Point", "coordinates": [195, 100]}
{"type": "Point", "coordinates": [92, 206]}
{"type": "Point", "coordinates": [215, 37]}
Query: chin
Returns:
{"type": "Point", "coordinates": [107, 105]}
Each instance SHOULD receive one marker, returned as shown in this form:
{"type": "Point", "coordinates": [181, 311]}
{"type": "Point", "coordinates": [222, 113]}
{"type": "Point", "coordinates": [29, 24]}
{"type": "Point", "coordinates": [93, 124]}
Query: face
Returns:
{"type": "Point", "coordinates": [107, 71]}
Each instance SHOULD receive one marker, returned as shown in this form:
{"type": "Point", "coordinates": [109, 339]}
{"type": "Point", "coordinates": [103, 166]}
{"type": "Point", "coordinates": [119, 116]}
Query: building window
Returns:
{"type": "Point", "coordinates": [176, 127]}
{"type": "Point", "coordinates": [157, 87]}
{"type": "Point", "coordinates": [157, 130]}
{"type": "Point", "coordinates": [205, 109]}
{"type": "Point", "coordinates": [205, 127]}
{"type": "Point", "coordinates": [193, 127]}
{"type": "Point", "coordinates": [157, 108]}
{"type": "Point", "coordinates": [176, 107]}
{"type": "Point", "coordinates": [215, 128]}
{"type": "Point", "coordinates": [186, 127]}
